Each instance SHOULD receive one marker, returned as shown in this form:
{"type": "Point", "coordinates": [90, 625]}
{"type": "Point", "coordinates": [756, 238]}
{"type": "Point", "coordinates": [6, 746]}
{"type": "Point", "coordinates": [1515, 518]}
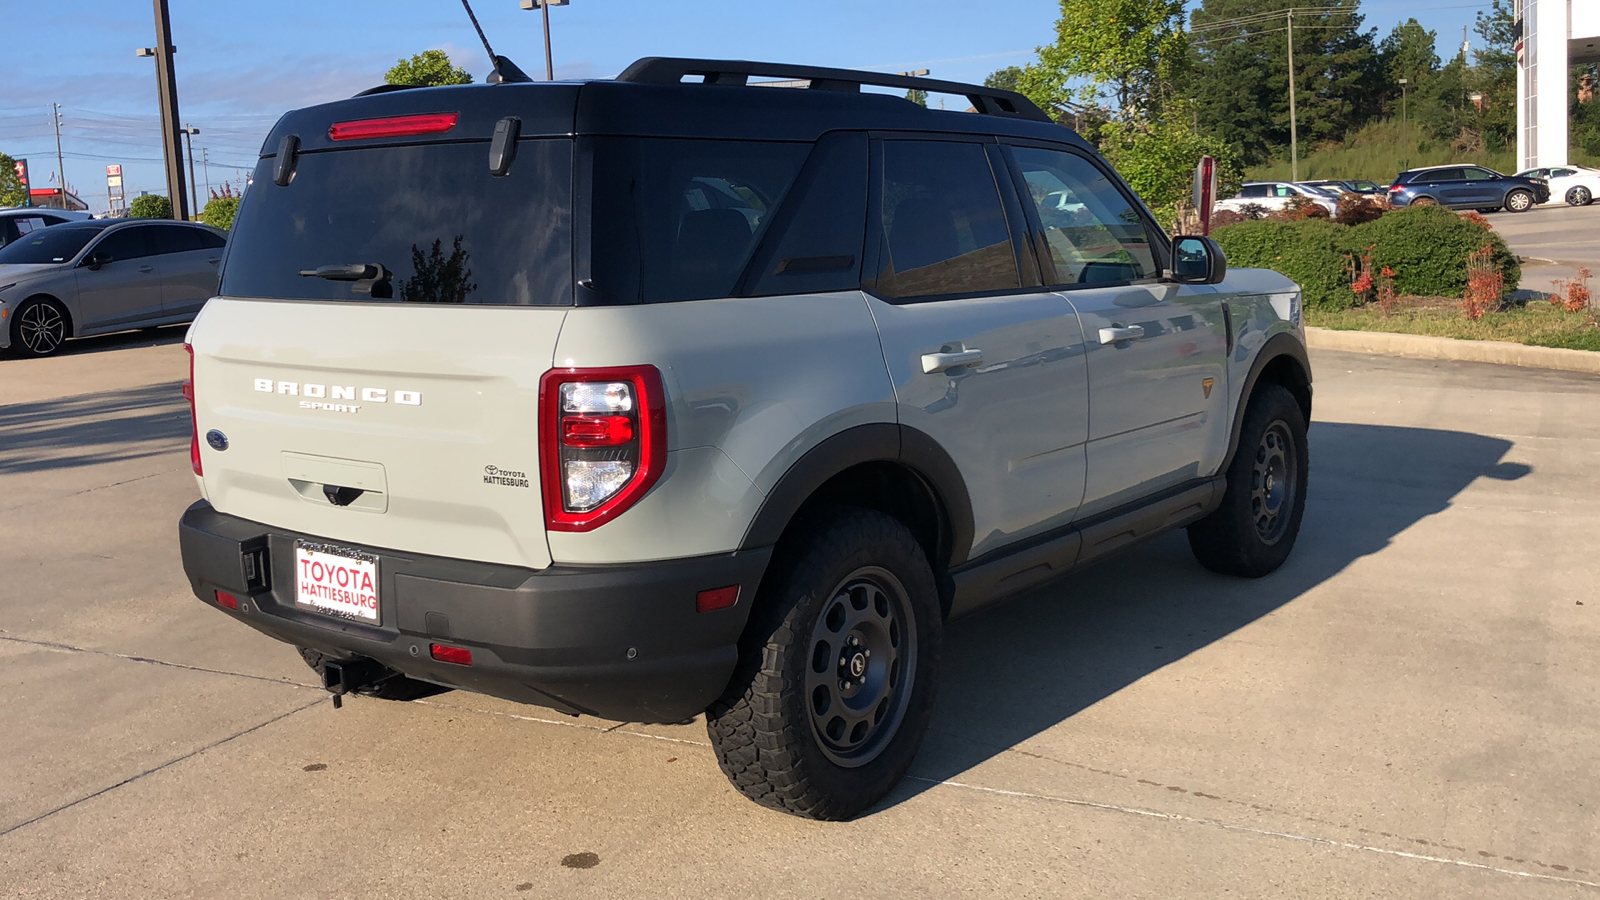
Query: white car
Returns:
{"type": "Point", "coordinates": [1275, 195]}
{"type": "Point", "coordinates": [16, 222]}
{"type": "Point", "coordinates": [1577, 185]}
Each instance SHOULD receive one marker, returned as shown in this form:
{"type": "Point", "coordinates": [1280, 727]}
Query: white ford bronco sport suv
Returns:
{"type": "Point", "coordinates": [678, 394]}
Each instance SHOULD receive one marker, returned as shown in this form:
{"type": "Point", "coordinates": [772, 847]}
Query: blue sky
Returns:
{"type": "Point", "coordinates": [240, 64]}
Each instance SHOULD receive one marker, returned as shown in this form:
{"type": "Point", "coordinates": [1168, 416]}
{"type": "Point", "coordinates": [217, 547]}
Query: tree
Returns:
{"type": "Point", "coordinates": [1495, 75]}
{"type": "Point", "coordinates": [12, 193]}
{"type": "Point", "coordinates": [1158, 158]}
{"type": "Point", "coordinates": [221, 208]}
{"type": "Point", "coordinates": [1007, 79]}
{"type": "Point", "coordinates": [1129, 54]}
{"type": "Point", "coordinates": [429, 68]}
{"type": "Point", "coordinates": [1408, 52]}
{"type": "Point", "coordinates": [919, 97]}
{"type": "Point", "coordinates": [150, 206]}
{"type": "Point", "coordinates": [1241, 73]}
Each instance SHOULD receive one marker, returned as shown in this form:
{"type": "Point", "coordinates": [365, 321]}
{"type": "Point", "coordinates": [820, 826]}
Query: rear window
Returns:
{"type": "Point", "coordinates": [443, 229]}
{"type": "Point", "coordinates": [679, 219]}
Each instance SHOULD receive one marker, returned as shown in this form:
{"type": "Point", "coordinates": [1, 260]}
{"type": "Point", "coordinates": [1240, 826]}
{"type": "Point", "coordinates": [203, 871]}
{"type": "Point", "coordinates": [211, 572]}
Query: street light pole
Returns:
{"type": "Point", "coordinates": [1405, 131]}
{"type": "Point", "coordinates": [544, 7]}
{"type": "Point", "coordinates": [1294, 130]}
{"type": "Point", "coordinates": [167, 90]}
{"type": "Point", "coordinates": [194, 186]}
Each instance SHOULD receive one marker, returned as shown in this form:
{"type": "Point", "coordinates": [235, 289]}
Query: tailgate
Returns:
{"type": "Point", "coordinates": [426, 416]}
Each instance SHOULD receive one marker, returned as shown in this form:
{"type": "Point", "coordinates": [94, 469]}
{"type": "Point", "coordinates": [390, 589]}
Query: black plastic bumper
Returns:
{"type": "Point", "coordinates": [620, 642]}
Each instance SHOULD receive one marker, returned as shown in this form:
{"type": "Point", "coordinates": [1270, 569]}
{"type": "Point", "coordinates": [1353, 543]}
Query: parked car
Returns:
{"type": "Point", "coordinates": [1467, 187]}
{"type": "Point", "coordinates": [495, 396]}
{"type": "Point", "coordinates": [1576, 185]}
{"type": "Point", "coordinates": [1347, 186]}
{"type": "Point", "coordinates": [1275, 195]}
{"type": "Point", "coordinates": [82, 278]}
{"type": "Point", "coordinates": [14, 223]}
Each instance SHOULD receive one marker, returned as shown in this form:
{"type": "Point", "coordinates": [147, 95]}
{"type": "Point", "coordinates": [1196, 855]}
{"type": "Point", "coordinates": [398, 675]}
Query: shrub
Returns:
{"type": "Point", "coordinates": [1573, 295]}
{"type": "Point", "coordinates": [1427, 247]}
{"type": "Point", "coordinates": [150, 206]}
{"type": "Point", "coordinates": [1309, 252]}
{"type": "Point", "coordinates": [1300, 207]}
{"type": "Point", "coordinates": [1485, 284]}
{"type": "Point", "coordinates": [1358, 209]}
{"type": "Point", "coordinates": [221, 209]}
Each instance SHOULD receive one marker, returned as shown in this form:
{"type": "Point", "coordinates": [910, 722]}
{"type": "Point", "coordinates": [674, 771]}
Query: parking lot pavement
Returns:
{"type": "Point", "coordinates": [1409, 708]}
{"type": "Point", "coordinates": [1555, 241]}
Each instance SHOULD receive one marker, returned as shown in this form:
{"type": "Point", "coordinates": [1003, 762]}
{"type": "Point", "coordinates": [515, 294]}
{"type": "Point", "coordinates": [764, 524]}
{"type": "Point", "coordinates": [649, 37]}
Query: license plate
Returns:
{"type": "Point", "coordinates": [337, 581]}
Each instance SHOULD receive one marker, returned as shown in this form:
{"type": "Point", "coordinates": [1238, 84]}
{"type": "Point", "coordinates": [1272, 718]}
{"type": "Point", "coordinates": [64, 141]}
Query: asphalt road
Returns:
{"type": "Point", "coordinates": [1554, 241]}
{"type": "Point", "coordinates": [1410, 708]}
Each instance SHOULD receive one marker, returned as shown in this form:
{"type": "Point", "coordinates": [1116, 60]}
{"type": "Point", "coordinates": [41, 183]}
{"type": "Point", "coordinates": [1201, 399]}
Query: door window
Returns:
{"type": "Point", "coordinates": [1255, 191]}
{"type": "Point", "coordinates": [1283, 190]}
{"type": "Point", "coordinates": [1562, 173]}
{"type": "Point", "coordinates": [943, 226]}
{"type": "Point", "coordinates": [1477, 174]}
{"type": "Point", "coordinates": [1441, 175]}
{"type": "Point", "coordinates": [1098, 237]}
{"type": "Point", "coordinates": [174, 239]}
{"type": "Point", "coordinates": [125, 243]}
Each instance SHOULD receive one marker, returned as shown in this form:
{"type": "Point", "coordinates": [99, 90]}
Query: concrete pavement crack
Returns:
{"type": "Point", "coordinates": [53, 645]}
{"type": "Point", "coordinates": [154, 769]}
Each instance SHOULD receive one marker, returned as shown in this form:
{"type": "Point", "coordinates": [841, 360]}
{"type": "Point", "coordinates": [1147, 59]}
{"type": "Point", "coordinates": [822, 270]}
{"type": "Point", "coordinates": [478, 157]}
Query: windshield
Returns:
{"type": "Point", "coordinates": [423, 223]}
{"type": "Point", "coordinates": [56, 244]}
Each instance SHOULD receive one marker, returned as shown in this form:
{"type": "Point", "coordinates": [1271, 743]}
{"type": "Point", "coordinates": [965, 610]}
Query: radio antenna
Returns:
{"type": "Point", "coordinates": [504, 69]}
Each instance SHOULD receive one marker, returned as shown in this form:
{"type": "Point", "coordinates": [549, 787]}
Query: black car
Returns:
{"type": "Point", "coordinates": [1467, 187]}
{"type": "Point", "coordinates": [1353, 186]}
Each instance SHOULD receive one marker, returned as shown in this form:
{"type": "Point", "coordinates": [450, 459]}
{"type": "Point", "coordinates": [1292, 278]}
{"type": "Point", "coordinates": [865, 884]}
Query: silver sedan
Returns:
{"type": "Point", "coordinates": [82, 278]}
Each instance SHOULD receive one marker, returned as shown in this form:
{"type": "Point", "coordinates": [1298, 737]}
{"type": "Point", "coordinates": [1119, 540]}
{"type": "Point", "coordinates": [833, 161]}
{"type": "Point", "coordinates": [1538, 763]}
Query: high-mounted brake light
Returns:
{"type": "Point", "coordinates": [603, 442]}
{"type": "Point", "coordinates": [393, 126]}
{"type": "Point", "coordinates": [194, 422]}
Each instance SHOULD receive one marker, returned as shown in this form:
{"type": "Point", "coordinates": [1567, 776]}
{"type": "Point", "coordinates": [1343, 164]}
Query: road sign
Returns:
{"type": "Point", "coordinates": [22, 176]}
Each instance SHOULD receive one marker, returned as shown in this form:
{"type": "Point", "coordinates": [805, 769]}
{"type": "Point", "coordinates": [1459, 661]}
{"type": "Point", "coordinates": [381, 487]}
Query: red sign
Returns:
{"type": "Point", "coordinates": [113, 170]}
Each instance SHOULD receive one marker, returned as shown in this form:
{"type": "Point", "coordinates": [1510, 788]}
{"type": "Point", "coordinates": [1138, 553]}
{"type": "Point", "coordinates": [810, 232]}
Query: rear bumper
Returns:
{"type": "Point", "coordinates": [618, 642]}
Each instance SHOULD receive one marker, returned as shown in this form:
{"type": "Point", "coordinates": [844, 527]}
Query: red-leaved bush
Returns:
{"type": "Point", "coordinates": [1573, 295]}
{"type": "Point", "coordinates": [1485, 283]}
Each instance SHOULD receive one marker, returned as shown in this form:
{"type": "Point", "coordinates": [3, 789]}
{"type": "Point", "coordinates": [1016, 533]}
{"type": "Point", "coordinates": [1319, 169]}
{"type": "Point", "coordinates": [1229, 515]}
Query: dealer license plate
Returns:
{"type": "Point", "coordinates": [337, 581]}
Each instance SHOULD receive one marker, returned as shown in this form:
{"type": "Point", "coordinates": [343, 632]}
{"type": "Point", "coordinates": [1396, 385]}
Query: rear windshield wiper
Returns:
{"type": "Point", "coordinates": [369, 278]}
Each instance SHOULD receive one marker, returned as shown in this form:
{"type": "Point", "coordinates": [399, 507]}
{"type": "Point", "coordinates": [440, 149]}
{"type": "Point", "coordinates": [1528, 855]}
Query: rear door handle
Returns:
{"type": "Point", "coordinates": [147, 269]}
{"type": "Point", "coordinates": [938, 362]}
{"type": "Point", "coordinates": [1119, 333]}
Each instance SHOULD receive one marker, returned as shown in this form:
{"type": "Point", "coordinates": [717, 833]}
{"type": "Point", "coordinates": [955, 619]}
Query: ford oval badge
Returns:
{"type": "Point", "coordinates": [217, 439]}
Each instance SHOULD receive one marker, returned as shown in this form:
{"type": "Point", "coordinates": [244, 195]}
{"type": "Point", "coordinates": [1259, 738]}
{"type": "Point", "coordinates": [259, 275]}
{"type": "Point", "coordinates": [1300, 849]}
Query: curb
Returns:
{"type": "Point", "coordinates": [1419, 346]}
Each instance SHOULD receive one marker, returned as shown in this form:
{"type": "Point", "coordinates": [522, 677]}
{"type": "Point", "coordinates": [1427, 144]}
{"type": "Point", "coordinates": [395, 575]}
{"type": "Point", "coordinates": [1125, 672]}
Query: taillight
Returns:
{"type": "Point", "coordinates": [393, 126]}
{"type": "Point", "coordinates": [1396, 188]}
{"type": "Point", "coordinates": [603, 437]}
{"type": "Point", "coordinates": [194, 423]}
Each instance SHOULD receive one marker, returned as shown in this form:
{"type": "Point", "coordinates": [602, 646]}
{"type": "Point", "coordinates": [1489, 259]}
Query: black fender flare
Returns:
{"type": "Point", "coordinates": [1278, 346]}
{"type": "Point", "coordinates": [877, 442]}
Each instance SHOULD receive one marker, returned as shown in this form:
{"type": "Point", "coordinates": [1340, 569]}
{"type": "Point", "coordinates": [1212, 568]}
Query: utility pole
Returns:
{"type": "Point", "coordinates": [205, 165]}
{"type": "Point", "coordinates": [167, 90]}
{"type": "Point", "coordinates": [188, 143]}
{"type": "Point", "coordinates": [1294, 128]}
{"type": "Point", "coordinates": [61, 169]}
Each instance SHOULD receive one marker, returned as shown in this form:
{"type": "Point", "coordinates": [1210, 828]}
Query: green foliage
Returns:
{"type": "Point", "coordinates": [1495, 75]}
{"type": "Point", "coordinates": [219, 212]}
{"type": "Point", "coordinates": [427, 69]}
{"type": "Point", "coordinates": [1408, 52]}
{"type": "Point", "coordinates": [1125, 53]}
{"type": "Point", "coordinates": [150, 206]}
{"type": "Point", "coordinates": [1158, 158]}
{"type": "Point", "coordinates": [1007, 79]}
{"type": "Point", "coordinates": [12, 193]}
{"type": "Point", "coordinates": [1426, 247]}
{"type": "Point", "coordinates": [919, 97]}
{"type": "Point", "coordinates": [1585, 122]}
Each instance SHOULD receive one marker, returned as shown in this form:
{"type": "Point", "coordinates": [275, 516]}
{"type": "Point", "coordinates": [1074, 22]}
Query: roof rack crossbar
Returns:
{"type": "Point", "coordinates": [672, 70]}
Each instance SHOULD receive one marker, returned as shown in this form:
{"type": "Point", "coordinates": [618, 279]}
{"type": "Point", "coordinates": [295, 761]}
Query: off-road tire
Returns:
{"type": "Point", "coordinates": [765, 729]}
{"type": "Point", "coordinates": [1232, 540]}
{"type": "Point", "coordinates": [1519, 201]}
{"type": "Point", "coordinates": [1579, 196]}
{"type": "Point", "coordinates": [398, 687]}
{"type": "Point", "coordinates": [39, 327]}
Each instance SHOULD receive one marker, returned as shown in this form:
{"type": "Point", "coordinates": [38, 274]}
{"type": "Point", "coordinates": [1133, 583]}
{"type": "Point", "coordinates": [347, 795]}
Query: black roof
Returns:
{"type": "Point", "coordinates": [651, 99]}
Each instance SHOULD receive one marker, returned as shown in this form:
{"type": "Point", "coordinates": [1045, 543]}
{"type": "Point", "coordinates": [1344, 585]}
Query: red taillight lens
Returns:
{"type": "Point", "coordinates": [194, 423]}
{"type": "Point", "coordinates": [461, 656]}
{"type": "Point", "coordinates": [393, 126]}
{"type": "Point", "coordinates": [1396, 188]}
{"type": "Point", "coordinates": [596, 431]}
{"type": "Point", "coordinates": [603, 442]}
{"type": "Point", "coordinates": [227, 600]}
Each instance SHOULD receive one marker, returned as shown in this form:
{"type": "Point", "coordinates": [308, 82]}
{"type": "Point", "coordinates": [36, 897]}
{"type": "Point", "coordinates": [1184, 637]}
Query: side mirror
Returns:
{"type": "Point", "coordinates": [95, 262]}
{"type": "Point", "coordinates": [1197, 260]}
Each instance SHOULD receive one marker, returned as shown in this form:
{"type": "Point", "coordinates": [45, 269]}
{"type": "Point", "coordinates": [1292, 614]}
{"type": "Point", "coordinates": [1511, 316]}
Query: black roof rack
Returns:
{"type": "Point", "coordinates": [672, 70]}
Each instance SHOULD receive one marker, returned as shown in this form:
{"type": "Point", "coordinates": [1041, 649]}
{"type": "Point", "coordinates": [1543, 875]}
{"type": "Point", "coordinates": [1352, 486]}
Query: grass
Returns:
{"type": "Point", "coordinates": [1536, 323]}
{"type": "Point", "coordinates": [1378, 152]}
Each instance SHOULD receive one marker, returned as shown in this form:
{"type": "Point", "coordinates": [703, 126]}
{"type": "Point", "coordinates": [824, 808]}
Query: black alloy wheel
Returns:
{"type": "Point", "coordinates": [863, 661]}
{"type": "Point", "coordinates": [1579, 196]}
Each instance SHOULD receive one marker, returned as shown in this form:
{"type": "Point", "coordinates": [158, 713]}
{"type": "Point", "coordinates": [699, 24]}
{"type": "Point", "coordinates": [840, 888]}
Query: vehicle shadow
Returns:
{"type": "Point", "coordinates": [143, 337]}
{"type": "Point", "coordinates": [90, 429]}
{"type": "Point", "coordinates": [1025, 666]}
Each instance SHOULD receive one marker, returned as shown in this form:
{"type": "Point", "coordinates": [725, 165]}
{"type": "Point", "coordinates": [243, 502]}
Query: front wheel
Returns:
{"type": "Point", "coordinates": [1579, 196]}
{"type": "Point", "coordinates": [1519, 201]}
{"type": "Point", "coordinates": [38, 328]}
{"type": "Point", "coordinates": [836, 678]}
{"type": "Point", "coordinates": [1252, 532]}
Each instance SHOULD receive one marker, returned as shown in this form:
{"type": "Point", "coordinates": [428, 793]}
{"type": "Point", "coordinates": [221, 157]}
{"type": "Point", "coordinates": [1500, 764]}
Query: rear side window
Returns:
{"type": "Point", "coordinates": [943, 224]}
{"type": "Point", "coordinates": [443, 229]}
{"type": "Point", "coordinates": [679, 219]}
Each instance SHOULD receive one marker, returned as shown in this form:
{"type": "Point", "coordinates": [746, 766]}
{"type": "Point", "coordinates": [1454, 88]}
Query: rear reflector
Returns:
{"type": "Point", "coordinates": [194, 421]}
{"type": "Point", "coordinates": [227, 600]}
{"type": "Point", "coordinates": [393, 126]}
{"type": "Point", "coordinates": [461, 656]}
{"type": "Point", "coordinates": [720, 598]}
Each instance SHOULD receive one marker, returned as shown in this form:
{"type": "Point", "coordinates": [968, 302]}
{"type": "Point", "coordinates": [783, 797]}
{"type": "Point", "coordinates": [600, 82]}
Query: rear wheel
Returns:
{"type": "Point", "coordinates": [1424, 201]}
{"type": "Point", "coordinates": [1252, 532]}
{"type": "Point", "coordinates": [836, 679]}
{"type": "Point", "coordinates": [39, 327]}
{"type": "Point", "coordinates": [1519, 201]}
{"type": "Point", "coordinates": [395, 687]}
{"type": "Point", "coordinates": [1579, 196]}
